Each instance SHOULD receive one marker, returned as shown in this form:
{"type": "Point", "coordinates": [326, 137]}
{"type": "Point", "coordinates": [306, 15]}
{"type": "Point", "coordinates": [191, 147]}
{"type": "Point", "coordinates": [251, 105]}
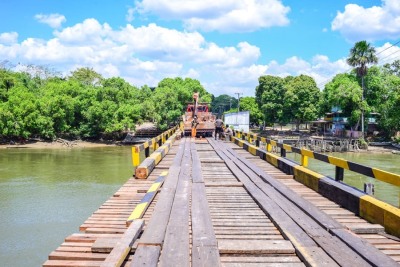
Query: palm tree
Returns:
{"type": "Point", "coordinates": [360, 56]}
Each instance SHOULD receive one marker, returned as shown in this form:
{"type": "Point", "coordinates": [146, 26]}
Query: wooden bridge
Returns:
{"type": "Point", "coordinates": [212, 203]}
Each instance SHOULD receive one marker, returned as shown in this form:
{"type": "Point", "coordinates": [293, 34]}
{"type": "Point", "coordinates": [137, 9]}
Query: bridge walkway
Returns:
{"type": "Point", "coordinates": [221, 206]}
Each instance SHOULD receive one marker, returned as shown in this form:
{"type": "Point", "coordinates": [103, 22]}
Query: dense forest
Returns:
{"type": "Point", "coordinates": [39, 104]}
{"type": "Point", "coordinates": [86, 105]}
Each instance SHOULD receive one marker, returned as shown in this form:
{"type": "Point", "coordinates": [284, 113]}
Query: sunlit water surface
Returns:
{"type": "Point", "coordinates": [46, 194]}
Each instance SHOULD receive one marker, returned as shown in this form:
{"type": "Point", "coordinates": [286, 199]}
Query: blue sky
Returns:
{"type": "Point", "coordinates": [226, 44]}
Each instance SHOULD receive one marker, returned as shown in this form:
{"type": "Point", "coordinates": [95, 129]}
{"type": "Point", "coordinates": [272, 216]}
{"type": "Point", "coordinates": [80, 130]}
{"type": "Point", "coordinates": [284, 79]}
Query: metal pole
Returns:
{"type": "Point", "coordinates": [238, 107]}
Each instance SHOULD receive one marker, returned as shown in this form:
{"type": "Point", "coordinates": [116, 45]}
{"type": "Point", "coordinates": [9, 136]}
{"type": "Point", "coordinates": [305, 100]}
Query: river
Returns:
{"type": "Point", "coordinates": [46, 194]}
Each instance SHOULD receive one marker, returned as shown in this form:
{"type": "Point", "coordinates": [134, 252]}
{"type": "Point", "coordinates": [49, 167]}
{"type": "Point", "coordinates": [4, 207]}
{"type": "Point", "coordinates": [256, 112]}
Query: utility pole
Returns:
{"type": "Point", "coordinates": [237, 115]}
{"type": "Point", "coordinates": [239, 100]}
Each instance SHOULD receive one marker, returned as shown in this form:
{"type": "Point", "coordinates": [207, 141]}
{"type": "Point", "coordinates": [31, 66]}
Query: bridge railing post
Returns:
{"type": "Point", "coordinates": [304, 161]}
{"type": "Point", "coordinates": [257, 142]}
{"type": "Point", "coordinates": [339, 173]}
{"type": "Point", "coordinates": [269, 147]}
{"type": "Point", "coordinates": [283, 152]}
{"type": "Point", "coordinates": [135, 157]}
{"type": "Point", "coordinates": [155, 144]}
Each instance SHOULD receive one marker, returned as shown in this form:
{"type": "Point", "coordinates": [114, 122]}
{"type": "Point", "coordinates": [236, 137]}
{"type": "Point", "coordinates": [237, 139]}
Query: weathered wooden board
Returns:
{"type": "Point", "coordinates": [255, 247]}
{"type": "Point", "coordinates": [146, 256]}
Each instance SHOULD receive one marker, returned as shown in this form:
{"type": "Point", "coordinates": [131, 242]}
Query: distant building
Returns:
{"type": "Point", "coordinates": [336, 124]}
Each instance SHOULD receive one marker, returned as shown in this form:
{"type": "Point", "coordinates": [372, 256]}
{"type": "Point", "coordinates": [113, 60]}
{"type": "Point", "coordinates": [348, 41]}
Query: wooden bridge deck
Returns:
{"type": "Point", "coordinates": [221, 206]}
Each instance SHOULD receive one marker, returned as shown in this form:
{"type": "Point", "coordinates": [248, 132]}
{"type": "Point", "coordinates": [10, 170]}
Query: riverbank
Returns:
{"type": "Point", "coordinates": [55, 145]}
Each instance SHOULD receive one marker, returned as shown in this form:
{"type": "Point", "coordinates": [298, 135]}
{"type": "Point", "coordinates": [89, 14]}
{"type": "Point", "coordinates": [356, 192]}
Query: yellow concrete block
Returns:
{"type": "Point", "coordinates": [253, 150]}
{"type": "Point", "coordinates": [273, 159]}
{"type": "Point", "coordinates": [392, 221]}
{"type": "Point", "coordinates": [372, 210]}
{"type": "Point", "coordinates": [307, 177]}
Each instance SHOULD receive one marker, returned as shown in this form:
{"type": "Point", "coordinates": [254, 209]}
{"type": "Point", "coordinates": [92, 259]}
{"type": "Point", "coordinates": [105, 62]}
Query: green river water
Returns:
{"type": "Point", "coordinates": [46, 194]}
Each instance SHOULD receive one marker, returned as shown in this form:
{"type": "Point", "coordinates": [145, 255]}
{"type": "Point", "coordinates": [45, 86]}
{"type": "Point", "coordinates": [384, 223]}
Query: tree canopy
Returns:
{"type": "Point", "coordinates": [86, 105]}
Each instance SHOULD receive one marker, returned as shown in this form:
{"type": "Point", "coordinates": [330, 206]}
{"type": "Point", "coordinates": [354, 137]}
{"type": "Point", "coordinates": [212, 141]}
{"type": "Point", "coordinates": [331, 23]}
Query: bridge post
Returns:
{"type": "Point", "coordinates": [283, 152]}
{"type": "Point", "coordinates": [155, 144]}
{"type": "Point", "coordinates": [339, 173]}
{"type": "Point", "coordinates": [135, 157]}
{"type": "Point", "coordinates": [257, 142]}
{"type": "Point", "coordinates": [269, 147]}
{"type": "Point", "coordinates": [304, 161]}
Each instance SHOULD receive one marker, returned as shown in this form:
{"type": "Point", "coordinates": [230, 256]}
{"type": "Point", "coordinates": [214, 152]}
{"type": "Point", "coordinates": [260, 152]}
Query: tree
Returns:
{"type": "Point", "coordinates": [87, 76]}
{"type": "Point", "coordinates": [301, 99]}
{"type": "Point", "coordinates": [344, 92]}
{"type": "Point", "coordinates": [392, 68]}
{"type": "Point", "coordinates": [249, 103]}
{"type": "Point", "coordinates": [270, 98]}
{"type": "Point", "coordinates": [224, 101]}
{"type": "Point", "coordinates": [360, 56]}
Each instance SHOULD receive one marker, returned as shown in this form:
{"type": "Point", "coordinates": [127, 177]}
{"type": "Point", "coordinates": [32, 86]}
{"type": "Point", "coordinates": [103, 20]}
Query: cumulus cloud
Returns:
{"type": "Point", "coordinates": [8, 38]}
{"type": "Point", "coordinates": [146, 54]}
{"type": "Point", "coordinates": [371, 23]}
{"type": "Point", "coordinates": [130, 15]}
{"type": "Point", "coordinates": [53, 20]}
{"type": "Point", "coordinates": [387, 53]}
{"type": "Point", "coordinates": [223, 15]}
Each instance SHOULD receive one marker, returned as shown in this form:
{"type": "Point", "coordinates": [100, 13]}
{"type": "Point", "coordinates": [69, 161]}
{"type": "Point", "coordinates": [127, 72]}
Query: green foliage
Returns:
{"type": "Point", "coordinates": [301, 99]}
{"type": "Point", "coordinates": [360, 56]}
{"type": "Point", "coordinates": [345, 92]}
{"type": "Point", "coordinates": [270, 98]}
{"type": "Point", "coordinates": [289, 99]}
{"type": "Point", "coordinates": [249, 103]}
{"type": "Point", "coordinates": [223, 103]}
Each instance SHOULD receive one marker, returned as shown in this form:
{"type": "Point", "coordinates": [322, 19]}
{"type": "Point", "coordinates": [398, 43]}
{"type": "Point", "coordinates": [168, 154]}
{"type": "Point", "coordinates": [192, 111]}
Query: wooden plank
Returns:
{"type": "Point", "coordinates": [197, 175]}
{"type": "Point", "coordinates": [124, 245]}
{"type": "Point", "coordinates": [202, 226]}
{"type": "Point", "coordinates": [175, 249]}
{"type": "Point", "coordinates": [77, 256]}
{"type": "Point", "coordinates": [256, 264]}
{"type": "Point", "coordinates": [260, 259]}
{"type": "Point", "coordinates": [257, 247]}
{"type": "Point", "coordinates": [71, 263]}
{"type": "Point", "coordinates": [205, 256]}
{"type": "Point", "coordinates": [305, 245]}
{"type": "Point", "coordinates": [104, 245]}
{"type": "Point", "coordinates": [146, 256]}
{"type": "Point", "coordinates": [365, 249]}
{"type": "Point", "coordinates": [321, 218]}
{"type": "Point", "coordinates": [155, 230]}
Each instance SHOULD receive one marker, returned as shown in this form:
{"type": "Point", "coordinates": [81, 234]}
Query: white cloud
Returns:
{"type": "Point", "coordinates": [373, 23]}
{"type": "Point", "coordinates": [147, 54]}
{"type": "Point", "coordinates": [8, 38]}
{"type": "Point", "coordinates": [222, 15]}
{"type": "Point", "coordinates": [387, 53]}
{"type": "Point", "coordinates": [53, 20]}
{"type": "Point", "coordinates": [130, 15]}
